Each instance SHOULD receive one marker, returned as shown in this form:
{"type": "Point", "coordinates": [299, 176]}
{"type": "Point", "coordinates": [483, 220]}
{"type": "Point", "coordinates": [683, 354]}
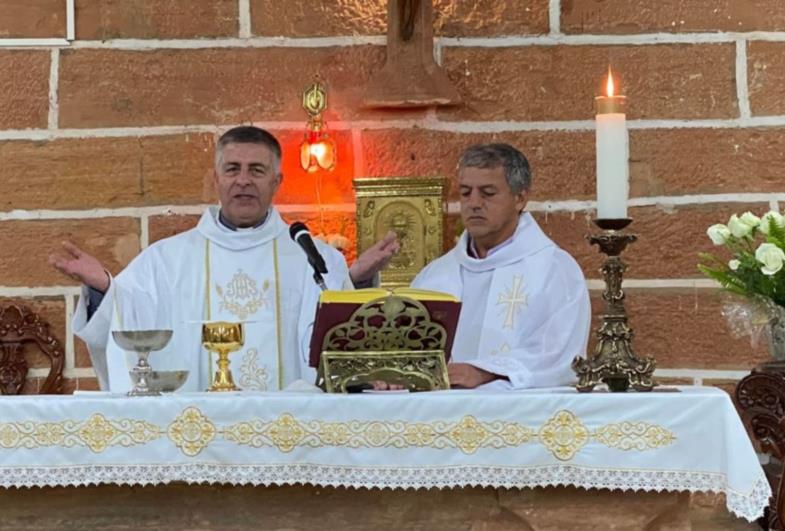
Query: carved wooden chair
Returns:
{"type": "Point", "coordinates": [761, 399]}
{"type": "Point", "coordinates": [20, 325]}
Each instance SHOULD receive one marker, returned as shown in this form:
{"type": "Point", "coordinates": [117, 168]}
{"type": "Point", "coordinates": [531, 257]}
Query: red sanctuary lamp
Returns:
{"type": "Point", "coordinates": [318, 149]}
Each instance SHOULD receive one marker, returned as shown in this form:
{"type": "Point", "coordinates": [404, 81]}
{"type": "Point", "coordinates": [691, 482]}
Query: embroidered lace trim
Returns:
{"type": "Point", "coordinates": [748, 505]}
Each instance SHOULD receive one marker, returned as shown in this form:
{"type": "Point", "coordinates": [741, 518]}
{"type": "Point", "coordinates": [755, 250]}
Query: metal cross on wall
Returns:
{"type": "Point", "coordinates": [410, 77]}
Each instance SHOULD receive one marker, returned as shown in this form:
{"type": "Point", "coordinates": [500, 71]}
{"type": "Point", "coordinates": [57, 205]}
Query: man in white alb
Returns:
{"type": "Point", "coordinates": [238, 264]}
{"type": "Point", "coordinates": [526, 311]}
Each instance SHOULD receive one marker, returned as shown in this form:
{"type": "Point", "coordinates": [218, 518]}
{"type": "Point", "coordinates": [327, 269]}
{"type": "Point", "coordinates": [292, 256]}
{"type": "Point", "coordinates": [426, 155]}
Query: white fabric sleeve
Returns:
{"type": "Point", "coordinates": [95, 332]}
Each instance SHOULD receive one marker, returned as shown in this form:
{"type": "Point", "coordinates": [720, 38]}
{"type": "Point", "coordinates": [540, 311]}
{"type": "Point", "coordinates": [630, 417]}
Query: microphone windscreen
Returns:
{"type": "Point", "coordinates": [296, 228]}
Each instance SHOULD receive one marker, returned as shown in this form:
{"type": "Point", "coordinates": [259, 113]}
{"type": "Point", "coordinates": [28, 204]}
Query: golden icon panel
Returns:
{"type": "Point", "coordinates": [414, 210]}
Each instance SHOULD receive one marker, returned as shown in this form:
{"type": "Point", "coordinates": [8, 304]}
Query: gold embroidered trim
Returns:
{"type": "Point", "coordinates": [564, 435]}
{"type": "Point", "coordinates": [191, 431]}
{"type": "Point", "coordinates": [278, 327]}
{"type": "Point", "coordinates": [96, 433]}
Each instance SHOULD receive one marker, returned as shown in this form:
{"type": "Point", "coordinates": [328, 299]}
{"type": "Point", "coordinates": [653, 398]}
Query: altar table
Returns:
{"type": "Point", "coordinates": [685, 439]}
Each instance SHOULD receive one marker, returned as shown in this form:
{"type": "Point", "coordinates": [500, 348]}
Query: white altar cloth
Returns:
{"type": "Point", "coordinates": [692, 440]}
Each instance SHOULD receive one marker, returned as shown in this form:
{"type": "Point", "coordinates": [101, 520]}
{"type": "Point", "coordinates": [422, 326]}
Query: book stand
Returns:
{"type": "Point", "coordinates": [392, 339]}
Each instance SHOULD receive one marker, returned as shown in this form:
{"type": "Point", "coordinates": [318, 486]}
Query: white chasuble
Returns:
{"type": "Point", "coordinates": [525, 312]}
{"type": "Point", "coordinates": [256, 276]}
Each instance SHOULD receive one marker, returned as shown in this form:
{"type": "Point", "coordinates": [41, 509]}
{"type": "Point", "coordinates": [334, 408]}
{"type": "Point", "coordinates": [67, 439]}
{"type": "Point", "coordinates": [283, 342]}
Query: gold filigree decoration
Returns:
{"type": "Point", "coordinates": [96, 433]}
{"type": "Point", "coordinates": [564, 435]}
{"type": "Point", "coordinates": [252, 376]}
{"type": "Point", "coordinates": [633, 436]}
{"type": "Point", "coordinates": [388, 323]}
{"type": "Point", "coordinates": [467, 435]}
{"type": "Point", "coordinates": [242, 297]}
{"type": "Point", "coordinates": [513, 297]}
{"type": "Point", "coordinates": [191, 431]}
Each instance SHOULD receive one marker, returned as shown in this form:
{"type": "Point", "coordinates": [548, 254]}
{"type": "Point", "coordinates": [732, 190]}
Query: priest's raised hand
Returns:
{"type": "Point", "coordinates": [79, 265]}
{"type": "Point", "coordinates": [374, 259]}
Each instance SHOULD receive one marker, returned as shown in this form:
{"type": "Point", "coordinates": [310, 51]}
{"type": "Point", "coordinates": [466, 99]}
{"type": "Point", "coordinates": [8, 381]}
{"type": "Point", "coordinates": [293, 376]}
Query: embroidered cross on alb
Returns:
{"type": "Point", "coordinates": [513, 298]}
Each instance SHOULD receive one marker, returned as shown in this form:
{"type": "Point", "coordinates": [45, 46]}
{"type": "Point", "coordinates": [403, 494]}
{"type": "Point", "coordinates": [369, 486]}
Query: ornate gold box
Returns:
{"type": "Point", "coordinates": [414, 209]}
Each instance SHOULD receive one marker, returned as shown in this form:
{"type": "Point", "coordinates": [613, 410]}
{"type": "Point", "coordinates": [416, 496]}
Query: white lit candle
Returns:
{"type": "Point", "coordinates": [613, 153]}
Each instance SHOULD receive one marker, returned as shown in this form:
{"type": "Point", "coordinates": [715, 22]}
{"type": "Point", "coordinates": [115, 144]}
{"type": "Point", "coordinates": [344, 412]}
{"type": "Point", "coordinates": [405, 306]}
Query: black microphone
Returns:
{"type": "Point", "coordinates": [299, 233]}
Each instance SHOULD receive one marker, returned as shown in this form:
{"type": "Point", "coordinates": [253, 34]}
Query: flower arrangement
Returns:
{"type": "Point", "coordinates": [755, 272]}
{"type": "Point", "coordinates": [758, 248]}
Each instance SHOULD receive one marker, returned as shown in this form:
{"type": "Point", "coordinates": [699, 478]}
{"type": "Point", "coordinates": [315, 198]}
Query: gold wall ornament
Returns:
{"type": "Point", "coordinates": [613, 361]}
{"type": "Point", "coordinates": [223, 337]}
{"type": "Point", "coordinates": [413, 209]}
{"type": "Point", "coordinates": [392, 339]}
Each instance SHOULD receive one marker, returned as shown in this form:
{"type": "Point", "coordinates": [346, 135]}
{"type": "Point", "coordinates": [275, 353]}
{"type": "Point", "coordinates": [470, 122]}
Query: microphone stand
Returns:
{"type": "Point", "coordinates": [317, 277]}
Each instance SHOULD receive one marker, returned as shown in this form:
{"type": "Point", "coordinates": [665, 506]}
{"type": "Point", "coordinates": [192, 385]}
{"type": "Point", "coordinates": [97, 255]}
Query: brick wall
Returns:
{"type": "Point", "coordinates": [108, 140]}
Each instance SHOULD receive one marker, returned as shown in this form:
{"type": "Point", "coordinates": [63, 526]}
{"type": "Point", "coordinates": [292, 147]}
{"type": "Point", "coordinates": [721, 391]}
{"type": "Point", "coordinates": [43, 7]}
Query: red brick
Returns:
{"type": "Point", "coordinates": [164, 226]}
{"type": "Point", "coordinates": [114, 88]}
{"type": "Point", "coordinates": [669, 381]}
{"type": "Point", "coordinates": [644, 16]}
{"type": "Point", "coordinates": [87, 384]}
{"type": "Point", "coordinates": [114, 241]}
{"type": "Point", "coordinates": [327, 225]}
{"type": "Point", "coordinates": [31, 386]}
{"type": "Point", "coordinates": [452, 18]}
{"type": "Point", "coordinates": [660, 81]}
{"type": "Point", "coordinates": [424, 153]}
{"type": "Point", "coordinates": [669, 240]}
{"type": "Point", "coordinates": [683, 329]}
{"type": "Point", "coordinates": [30, 19]}
{"type": "Point", "coordinates": [155, 19]}
{"type": "Point", "coordinates": [766, 77]}
{"type": "Point", "coordinates": [105, 172]}
{"type": "Point", "coordinates": [24, 89]}
{"type": "Point", "coordinates": [51, 311]}
{"type": "Point", "coordinates": [663, 162]}
{"type": "Point", "coordinates": [81, 354]}
{"type": "Point", "coordinates": [701, 161]}
{"type": "Point", "coordinates": [70, 385]}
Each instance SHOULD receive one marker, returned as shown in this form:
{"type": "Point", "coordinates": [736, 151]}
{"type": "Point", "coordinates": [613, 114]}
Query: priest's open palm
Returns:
{"type": "Point", "coordinates": [375, 258]}
{"type": "Point", "coordinates": [77, 264]}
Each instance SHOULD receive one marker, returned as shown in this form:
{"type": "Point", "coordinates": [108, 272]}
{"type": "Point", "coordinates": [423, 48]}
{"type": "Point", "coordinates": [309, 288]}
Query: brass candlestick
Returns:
{"type": "Point", "coordinates": [614, 361]}
{"type": "Point", "coordinates": [223, 338]}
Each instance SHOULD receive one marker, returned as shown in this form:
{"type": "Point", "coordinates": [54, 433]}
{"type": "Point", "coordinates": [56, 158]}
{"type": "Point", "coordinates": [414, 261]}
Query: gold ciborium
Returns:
{"type": "Point", "coordinates": [223, 337]}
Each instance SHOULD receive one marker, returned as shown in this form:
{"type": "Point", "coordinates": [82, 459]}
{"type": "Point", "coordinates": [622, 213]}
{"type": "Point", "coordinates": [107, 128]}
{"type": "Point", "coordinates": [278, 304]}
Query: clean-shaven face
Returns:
{"type": "Point", "coordinates": [247, 180]}
{"type": "Point", "coordinates": [489, 209]}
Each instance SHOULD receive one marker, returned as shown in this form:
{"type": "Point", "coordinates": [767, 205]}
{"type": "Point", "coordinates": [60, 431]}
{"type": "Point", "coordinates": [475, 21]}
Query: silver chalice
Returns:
{"type": "Point", "coordinates": [142, 342]}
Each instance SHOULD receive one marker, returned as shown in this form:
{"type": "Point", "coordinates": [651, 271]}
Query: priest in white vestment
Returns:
{"type": "Point", "coordinates": [526, 311]}
{"type": "Point", "coordinates": [239, 265]}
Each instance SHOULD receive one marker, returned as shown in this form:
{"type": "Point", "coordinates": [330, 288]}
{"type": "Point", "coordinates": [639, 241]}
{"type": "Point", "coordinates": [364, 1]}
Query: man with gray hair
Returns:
{"type": "Point", "coordinates": [526, 311]}
{"type": "Point", "coordinates": [238, 264]}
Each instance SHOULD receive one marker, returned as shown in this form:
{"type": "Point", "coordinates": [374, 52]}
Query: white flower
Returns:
{"type": "Point", "coordinates": [772, 258]}
{"type": "Point", "coordinates": [750, 219]}
{"type": "Point", "coordinates": [734, 264]}
{"type": "Point", "coordinates": [718, 233]}
{"type": "Point", "coordinates": [738, 227]}
{"type": "Point", "coordinates": [769, 216]}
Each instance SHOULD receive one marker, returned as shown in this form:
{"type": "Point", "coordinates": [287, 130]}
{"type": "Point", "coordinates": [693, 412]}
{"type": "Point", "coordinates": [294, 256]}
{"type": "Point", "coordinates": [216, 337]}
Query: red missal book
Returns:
{"type": "Point", "coordinates": [336, 307]}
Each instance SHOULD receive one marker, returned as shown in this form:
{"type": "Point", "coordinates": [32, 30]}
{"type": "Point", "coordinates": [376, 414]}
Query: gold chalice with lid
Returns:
{"type": "Point", "coordinates": [223, 337]}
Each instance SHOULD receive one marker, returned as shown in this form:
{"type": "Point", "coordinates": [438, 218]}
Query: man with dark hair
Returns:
{"type": "Point", "coordinates": [238, 264]}
{"type": "Point", "coordinates": [525, 312]}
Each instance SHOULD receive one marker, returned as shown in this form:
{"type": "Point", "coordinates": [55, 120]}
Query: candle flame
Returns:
{"type": "Point", "coordinates": [609, 85]}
